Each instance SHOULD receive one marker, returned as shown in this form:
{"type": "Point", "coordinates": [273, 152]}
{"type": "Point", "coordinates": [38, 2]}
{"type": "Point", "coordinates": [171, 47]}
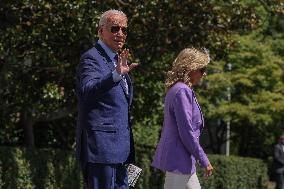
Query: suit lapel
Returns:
{"type": "Point", "coordinates": [103, 53]}
{"type": "Point", "coordinates": [201, 114]}
{"type": "Point", "coordinates": [130, 88]}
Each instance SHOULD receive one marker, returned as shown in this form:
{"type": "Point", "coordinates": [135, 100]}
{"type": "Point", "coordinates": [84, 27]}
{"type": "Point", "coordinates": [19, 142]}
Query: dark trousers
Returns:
{"type": "Point", "coordinates": [105, 176]}
{"type": "Point", "coordinates": [279, 179]}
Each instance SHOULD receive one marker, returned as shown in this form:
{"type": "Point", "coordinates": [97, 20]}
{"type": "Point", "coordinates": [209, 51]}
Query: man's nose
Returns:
{"type": "Point", "coordinates": [120, 33]}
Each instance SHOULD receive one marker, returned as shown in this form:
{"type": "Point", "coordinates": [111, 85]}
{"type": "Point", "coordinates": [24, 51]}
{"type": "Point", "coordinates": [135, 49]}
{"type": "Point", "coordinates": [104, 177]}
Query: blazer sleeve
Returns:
{"type": "Point", "coordinates": [183, 113]}
{"type": "Point", "coordinates": [90, 78]}
{"type": "Point", "coordinates": [277, 156]}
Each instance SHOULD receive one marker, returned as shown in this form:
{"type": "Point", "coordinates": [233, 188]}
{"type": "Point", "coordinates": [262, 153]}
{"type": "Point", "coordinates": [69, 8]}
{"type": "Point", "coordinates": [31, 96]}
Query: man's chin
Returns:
{"type": "Point", "coordinates": [119, 47]}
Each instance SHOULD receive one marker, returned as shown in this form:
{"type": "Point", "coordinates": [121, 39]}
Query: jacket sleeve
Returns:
{"type": "Point", "coordinates": [277, 155]}
{"type": "Point", "coordinates": [182, 106]}
{"type": "Point", "coordinates": [90, 78]}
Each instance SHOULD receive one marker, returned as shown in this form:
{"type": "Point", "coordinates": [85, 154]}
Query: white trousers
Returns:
{"type": "Point", "coordinates": [177, 181]}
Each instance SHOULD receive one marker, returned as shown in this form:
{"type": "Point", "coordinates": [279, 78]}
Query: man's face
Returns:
{"type": "Point", "coordinates": [113, 34]}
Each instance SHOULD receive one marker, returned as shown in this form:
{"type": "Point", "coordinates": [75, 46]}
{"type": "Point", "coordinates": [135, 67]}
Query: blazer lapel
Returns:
{"type": "Point", "coordinates": [130, 88]}
{"type": "Point", "coordinates": [103, 53]}
{"type": "Point", "coordinates": [201, 114]}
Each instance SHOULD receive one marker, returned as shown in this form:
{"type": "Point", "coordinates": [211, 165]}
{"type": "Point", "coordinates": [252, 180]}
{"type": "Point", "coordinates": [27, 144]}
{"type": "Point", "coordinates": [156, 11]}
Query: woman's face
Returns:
{"type": "Point", "coordinates": [196, 75]}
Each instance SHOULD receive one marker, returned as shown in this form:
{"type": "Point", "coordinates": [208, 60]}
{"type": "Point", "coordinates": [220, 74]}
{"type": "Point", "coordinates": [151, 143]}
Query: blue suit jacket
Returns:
{"type": "Point", "coordinates": [103, 133]}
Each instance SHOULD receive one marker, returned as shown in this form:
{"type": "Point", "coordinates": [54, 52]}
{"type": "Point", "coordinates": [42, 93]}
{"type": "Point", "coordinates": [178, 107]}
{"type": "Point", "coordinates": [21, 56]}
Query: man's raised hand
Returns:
{"type": "Point", "coordinates": [122, 67]}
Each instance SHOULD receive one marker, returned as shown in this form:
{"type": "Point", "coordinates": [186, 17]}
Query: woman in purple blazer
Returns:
{"type": "Point", "coordinates": [178, 149]}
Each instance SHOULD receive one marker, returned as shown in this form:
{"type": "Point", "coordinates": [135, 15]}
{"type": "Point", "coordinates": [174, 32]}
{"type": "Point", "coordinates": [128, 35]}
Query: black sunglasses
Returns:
{"type": "Point", "coordinates": [202, 70]}
{"type": "Point", "coordinates": [115, 29]}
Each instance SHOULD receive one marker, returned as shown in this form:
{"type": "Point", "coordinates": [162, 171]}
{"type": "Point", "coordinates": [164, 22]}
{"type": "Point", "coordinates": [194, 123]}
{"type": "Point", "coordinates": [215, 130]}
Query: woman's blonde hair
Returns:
{"type": "Point", "coordinates": [188, 60]}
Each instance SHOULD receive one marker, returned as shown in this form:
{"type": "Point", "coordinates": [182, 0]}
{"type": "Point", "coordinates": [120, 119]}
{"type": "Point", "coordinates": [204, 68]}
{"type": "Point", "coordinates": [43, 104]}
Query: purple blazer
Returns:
{"type": "Point", "coordinates": [179, 148]}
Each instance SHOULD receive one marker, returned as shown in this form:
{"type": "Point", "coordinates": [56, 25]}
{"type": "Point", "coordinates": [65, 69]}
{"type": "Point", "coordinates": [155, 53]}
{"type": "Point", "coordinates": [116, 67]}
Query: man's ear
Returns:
{"type": "Point", "coordinates": [100, 30]}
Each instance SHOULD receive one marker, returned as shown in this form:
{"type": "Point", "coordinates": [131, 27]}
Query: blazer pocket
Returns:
{"type": "Point", "coordinates": [102, 139]}
{"type": "Point", "coordinates": [105, 128]}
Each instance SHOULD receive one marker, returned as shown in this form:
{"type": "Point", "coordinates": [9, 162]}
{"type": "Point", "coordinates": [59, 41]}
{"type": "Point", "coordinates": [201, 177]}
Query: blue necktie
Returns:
{"type": "Point", "coordinates": [115, 58]}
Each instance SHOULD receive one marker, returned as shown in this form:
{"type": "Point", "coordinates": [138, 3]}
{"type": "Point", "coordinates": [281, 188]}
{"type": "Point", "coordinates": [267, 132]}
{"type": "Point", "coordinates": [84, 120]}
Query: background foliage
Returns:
{"type": "Point", "coordinates": [50, 169]}
{"type": "Point", "coordinates": [41, 42]}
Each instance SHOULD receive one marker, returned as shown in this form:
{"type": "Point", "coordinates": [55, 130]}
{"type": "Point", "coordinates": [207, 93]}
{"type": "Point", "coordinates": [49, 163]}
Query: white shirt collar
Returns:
{"type": "Point", "coordinates": [109, 52]}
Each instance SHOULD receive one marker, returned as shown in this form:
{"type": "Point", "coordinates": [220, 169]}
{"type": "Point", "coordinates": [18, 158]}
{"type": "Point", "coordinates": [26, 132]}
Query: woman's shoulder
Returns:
{"type": "Point", "coordinates": [180, 86]}
{"type": "Point", "coordinates": [179, 89]}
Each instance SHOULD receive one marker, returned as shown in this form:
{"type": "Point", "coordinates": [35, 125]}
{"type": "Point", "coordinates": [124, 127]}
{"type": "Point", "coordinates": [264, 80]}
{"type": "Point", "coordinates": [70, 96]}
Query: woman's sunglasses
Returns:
{"type": "Point", "coordinates": [202, 70]}
{"type": "Point", "coordinates": [115, 29]}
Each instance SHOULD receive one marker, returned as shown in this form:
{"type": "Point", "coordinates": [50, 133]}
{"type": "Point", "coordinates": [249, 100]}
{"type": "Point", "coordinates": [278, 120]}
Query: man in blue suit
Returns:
{"type": "Point", "coordinates": [104, 142]}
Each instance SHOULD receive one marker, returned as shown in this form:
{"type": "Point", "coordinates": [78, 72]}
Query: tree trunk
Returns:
{"type": "Point", "coordinates": [28, 124]}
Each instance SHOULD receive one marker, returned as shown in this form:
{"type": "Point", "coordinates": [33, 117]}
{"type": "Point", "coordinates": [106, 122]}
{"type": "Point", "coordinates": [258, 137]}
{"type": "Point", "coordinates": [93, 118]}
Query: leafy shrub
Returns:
{"type": "Point", "coordinates": [54, 169]}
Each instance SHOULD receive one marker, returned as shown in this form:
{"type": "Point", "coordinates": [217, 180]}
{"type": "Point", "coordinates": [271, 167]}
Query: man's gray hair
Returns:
{"type": "Point", "coordinates": [104, 17]}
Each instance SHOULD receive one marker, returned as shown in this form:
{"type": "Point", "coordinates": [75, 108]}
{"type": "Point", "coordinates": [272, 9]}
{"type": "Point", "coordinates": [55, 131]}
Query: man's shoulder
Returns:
{"type": "Point", "coordinates": [90, 52]}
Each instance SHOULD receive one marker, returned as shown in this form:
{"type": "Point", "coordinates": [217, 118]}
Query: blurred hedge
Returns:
{"type": "Point", "coordinates": [236, 172]}
{"type": "Point", "coordinates": [50, 169]}
{"type": "Point", "coordinates": [40, 169]}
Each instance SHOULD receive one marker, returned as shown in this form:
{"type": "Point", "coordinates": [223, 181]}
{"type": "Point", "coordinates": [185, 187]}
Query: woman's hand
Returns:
{"type": "Point", "coordinates": [208, 170]}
